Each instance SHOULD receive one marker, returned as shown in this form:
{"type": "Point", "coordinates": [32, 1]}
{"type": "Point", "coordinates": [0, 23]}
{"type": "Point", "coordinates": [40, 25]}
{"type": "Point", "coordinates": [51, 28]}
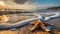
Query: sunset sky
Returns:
{"type": "Point", "coordinates": [41, 4]}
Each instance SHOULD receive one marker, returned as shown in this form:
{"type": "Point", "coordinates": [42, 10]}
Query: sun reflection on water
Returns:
{"type": "Point", "coordinates": [3, 18]}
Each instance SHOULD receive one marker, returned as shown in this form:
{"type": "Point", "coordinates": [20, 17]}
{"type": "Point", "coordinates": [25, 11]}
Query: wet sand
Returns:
{"type": "Point", "coordinates": [13, 18]}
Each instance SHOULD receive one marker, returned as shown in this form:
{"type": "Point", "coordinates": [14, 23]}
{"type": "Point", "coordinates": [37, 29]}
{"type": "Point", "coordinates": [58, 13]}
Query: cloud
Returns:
{"type": "Point", "coordinates": [29, 6]}
{"type": "Point", "coordinates": [20, 1]}
{"type": "Point", "coordinates": [26, 5]}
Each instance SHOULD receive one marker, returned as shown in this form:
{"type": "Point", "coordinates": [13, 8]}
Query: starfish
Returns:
{"type": "Point", "coordinates": [38, 24]}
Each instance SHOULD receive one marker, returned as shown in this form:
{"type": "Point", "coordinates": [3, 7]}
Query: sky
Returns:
{"type": "Point", "coordinates": [40, 2]}
{"type": "Point", "coordinates": [36, 4]}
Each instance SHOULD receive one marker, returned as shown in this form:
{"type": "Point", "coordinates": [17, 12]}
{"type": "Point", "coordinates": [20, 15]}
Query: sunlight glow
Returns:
{"type": "Point", "coordinates": [2, 3]}
{"type": "Point", "coordinates": [3, 18]}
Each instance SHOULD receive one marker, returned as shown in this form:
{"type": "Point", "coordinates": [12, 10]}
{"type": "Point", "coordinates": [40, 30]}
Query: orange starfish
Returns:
{"type": "Point", "coordinates": [38, 24]}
